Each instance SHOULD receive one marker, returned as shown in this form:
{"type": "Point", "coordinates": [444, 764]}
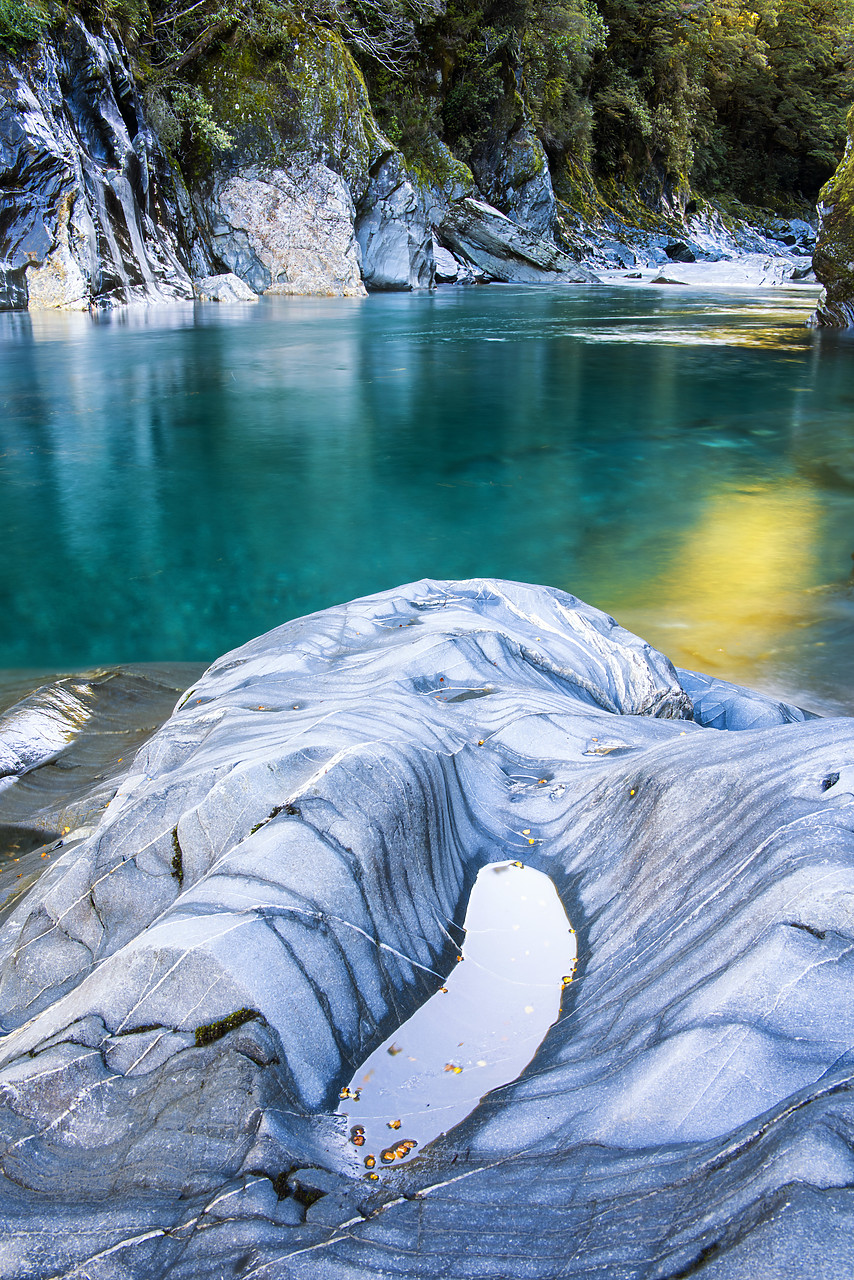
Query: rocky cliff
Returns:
{"type": "Point", "coordinates": [834, 255]}
{"type": "Point", "coordinates": [279, 881]}
{"type": "Point", "coordinates": [305, 195]}
{"type": "Point", "coordinates": [291, 187]}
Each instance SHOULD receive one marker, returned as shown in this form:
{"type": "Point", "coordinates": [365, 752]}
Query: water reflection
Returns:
{"type": "Point", "coordinates": [734, 582]}
{"type": "Point", "coordinates": [517, 959]}
{"type": "Point", "coordinates": [174, 482]}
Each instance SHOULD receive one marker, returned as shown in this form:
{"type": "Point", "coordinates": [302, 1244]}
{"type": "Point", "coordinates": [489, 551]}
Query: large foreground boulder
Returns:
{"type": "Point", "coordinates": [834, 254]}
{"type": "Point", "coordinates": [280, 881]}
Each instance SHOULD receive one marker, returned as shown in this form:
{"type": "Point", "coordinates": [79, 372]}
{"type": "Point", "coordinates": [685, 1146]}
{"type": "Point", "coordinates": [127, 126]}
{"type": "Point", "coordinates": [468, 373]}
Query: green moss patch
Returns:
{"type": "Point", "coordinates": [213, 1031]}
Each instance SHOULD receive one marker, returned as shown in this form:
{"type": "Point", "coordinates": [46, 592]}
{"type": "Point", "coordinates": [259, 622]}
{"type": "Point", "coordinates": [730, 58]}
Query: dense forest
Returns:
{"type": "Point", "coordinates": [732, 101]}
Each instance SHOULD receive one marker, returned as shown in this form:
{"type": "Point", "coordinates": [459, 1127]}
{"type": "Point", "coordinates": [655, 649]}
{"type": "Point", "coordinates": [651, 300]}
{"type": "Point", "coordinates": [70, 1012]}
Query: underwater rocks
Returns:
{"type": "Point", "coordinates": [280, 881]}
{"type": "Point", "coordinates": [94, 216]}
{"type": "Point", "coordinates": [834, 254]}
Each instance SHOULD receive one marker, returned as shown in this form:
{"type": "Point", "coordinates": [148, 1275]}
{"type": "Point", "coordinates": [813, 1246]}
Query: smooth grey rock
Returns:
{"type": "Point", "coordinates": [449, 270]}
{"type": "Point", "coordinates": [514, 177]}
{"type": "Point", "coordinates": [287, 230]}
{"type": "Point", "coordinates": [281, 880]}
{"type": "Point", "coordinates": [38, 728]}
{"type": "Point", "coordinates": [94, 219]}
{"type": "Point", "coordinates": [483, 236]}
{"type": "Point", "coordinates": [394, 231]}
{"type": "Point", "coordinates": [721, 705]}
{"type": "Point", "coordinates": [224, 288]}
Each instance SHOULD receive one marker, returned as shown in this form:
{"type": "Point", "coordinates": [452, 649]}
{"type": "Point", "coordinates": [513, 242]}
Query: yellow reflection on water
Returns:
{"type": "Point", "coordinates": [731, 591]}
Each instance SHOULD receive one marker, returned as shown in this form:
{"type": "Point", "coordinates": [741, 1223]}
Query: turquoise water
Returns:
{"type": "Point", "coordinates": [173, 482]}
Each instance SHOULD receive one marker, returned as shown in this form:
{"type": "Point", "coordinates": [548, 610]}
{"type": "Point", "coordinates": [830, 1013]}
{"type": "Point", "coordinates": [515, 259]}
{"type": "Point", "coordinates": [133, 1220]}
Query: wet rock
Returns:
{"type": "Point", "coordinates": [484, 237]}
{"type": "Point", "coordinates": [95, 218]}
{"type": "Point", "coordinates": [394, 231]}
{"type": "Point", "coordinates": [173, 1043]}
{"type": "Point", "coordinates": [224, 288]}
{"type": "Point", "coordinates": [833, 260]}
{"type": "Point", "coordinates": [287, 230]}
{"type": "Point", "coordinates": [662, 279]}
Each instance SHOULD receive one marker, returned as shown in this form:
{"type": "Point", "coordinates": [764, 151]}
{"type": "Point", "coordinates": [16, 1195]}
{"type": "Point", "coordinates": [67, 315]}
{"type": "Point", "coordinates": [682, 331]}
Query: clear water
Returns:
{"type": "Point", "coordinates": [173, 482]}
{"type": "Point", "coordinates": [477, 1034]}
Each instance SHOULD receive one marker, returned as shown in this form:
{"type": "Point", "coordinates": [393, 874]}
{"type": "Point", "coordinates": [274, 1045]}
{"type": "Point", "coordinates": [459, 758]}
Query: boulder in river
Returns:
{"type": "Point", "coordinates": [280, 879]}
{"type": "Point", "coordinates": [223, 288]}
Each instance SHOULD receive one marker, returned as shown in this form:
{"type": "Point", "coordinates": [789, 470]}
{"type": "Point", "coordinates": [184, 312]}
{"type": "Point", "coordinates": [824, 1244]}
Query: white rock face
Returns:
{"type": "Point", "coordinates": [288, 231]}
{"type": "Point", "coordinates": [224, 288]}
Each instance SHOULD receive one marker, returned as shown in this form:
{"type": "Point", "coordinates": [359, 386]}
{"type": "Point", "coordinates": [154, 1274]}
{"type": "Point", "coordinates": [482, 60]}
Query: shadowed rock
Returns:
{"type": "Point", "coordinates": [280, 881]}
{"type": "Point", "coordinates": [833, 260]}
{"type": "Point", "coordinates": [479, 234]}
{"type": "Point", "coordinates": [93, 210]}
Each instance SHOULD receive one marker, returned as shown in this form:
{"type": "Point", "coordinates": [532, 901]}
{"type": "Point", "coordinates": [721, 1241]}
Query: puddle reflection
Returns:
{"type": "Point", "coordinates": [519, 954]}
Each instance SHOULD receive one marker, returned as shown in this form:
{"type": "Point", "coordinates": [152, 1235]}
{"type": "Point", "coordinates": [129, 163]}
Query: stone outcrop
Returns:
{"type": "Point", "coordinates": [834, 254]}
{"type": "Point", "coordinates": [490, 241]}
{"type": "Point", "coordinates": [394, 230]}
{"type": "Point", "coordinates": [223, 288]}
{"type": "Point", "coordinates": [94, 213]}
{"type": "Point", "coordinates": [280, 880]}
{"type": "Point", "coordinates": [286, 231]}
{"type": "Point", "coordinates": [514, 177]}
{"type": "Point", "coordinates": [297, 191]}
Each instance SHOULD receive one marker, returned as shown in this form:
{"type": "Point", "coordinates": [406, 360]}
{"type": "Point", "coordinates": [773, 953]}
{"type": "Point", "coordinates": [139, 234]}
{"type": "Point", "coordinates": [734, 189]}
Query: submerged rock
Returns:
{"type": "Point", "coordinates": [834, 254]}
{"type": "Point", "coordinates": [483, 236]}
{"type": "Point", "coordinates": [280, 881]}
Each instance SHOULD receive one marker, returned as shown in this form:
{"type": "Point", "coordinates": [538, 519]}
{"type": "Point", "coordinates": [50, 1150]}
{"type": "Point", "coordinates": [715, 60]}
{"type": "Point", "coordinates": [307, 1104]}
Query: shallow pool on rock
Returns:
{"type": "Point", "coordinates": [175, 481]}
{"type": "Point", "coordinates": [480, 1030]}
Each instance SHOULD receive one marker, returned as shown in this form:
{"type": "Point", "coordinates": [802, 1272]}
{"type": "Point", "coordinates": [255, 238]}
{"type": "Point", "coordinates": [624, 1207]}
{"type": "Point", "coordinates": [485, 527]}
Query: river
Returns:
{"type": "Point", "coordinates": [177, 480]}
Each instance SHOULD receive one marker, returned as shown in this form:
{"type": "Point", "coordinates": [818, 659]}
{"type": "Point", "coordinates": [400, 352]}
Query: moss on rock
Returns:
{"type": "Point", "coordinates": [834, 254]}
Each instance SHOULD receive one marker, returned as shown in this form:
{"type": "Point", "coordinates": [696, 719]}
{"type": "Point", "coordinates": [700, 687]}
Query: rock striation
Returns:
{"type": "Point", "coordinates": [478, 234]}
{"type": "Point", "coordinates": [93, 212]}
{"type": "Point", "coordinates": [280, 880]}
{"type": "Point", "coordinates": [834, 254]}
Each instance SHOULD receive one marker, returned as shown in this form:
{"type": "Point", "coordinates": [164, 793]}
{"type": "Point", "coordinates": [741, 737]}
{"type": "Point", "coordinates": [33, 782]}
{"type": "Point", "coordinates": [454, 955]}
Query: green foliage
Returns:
{"type": "Point", "coordinates": [747, 99]}
{"type": "Point", "coordinates": [744, 101]}
{"type": "Point", "coordinates": [558, 45]}
{"type": "Point", "coordinates": [21, 22]}
{"type": "Point", "coordinates": [195, 112]}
